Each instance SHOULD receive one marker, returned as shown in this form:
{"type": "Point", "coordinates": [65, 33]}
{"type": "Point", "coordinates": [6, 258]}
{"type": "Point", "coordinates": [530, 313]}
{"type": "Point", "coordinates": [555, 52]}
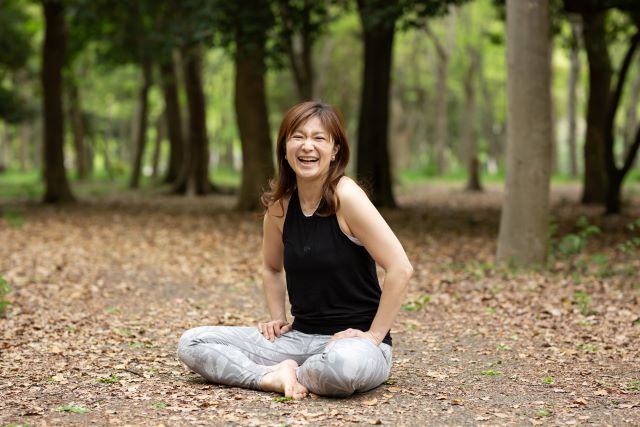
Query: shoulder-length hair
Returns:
{"type": "Point", "coordinates": [285, 180]}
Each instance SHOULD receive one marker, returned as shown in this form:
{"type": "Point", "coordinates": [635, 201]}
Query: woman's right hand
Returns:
{"type": "Point", "coordinates": [275, 328]}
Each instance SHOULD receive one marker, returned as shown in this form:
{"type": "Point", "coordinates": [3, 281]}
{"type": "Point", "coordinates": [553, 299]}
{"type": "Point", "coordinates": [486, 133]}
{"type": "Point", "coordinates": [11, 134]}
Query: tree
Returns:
{"type": "Point", "coordinates": [443, 52]}
{"type": "Point", "coordinates": [594, 14]}
{"type": "Point", "coordinates": [379, 19]}
{"type": "Point", "coordinates": [57, 187]}
{"type": "Point", "coordinates": [194, 178]}
{"type": "Point", "coordinates": [14, 53]}
{"type": "Point", "coordinates": [299, 22]}
{"type": "Point", "coordinates": [378, 23]}
{"type": "Point", "coordinates": [523, 224]}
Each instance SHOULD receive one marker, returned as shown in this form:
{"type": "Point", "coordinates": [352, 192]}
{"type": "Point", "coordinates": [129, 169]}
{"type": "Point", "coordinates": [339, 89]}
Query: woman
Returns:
{"type": "Point", "coordinates": [321, 235]}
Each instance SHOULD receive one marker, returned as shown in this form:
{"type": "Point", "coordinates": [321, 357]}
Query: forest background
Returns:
{"type": "Point", "coordinates": [505, 132]}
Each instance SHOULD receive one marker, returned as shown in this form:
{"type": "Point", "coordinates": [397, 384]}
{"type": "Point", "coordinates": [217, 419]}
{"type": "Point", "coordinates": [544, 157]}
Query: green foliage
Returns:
{"type": "Point", "coordinates": [111, 379]}
{"type": "Point", "coordinates": [283, 399]}
{"type": "Point", "coordinates": [633, 243]}
{"type": "Point", "coordinates": [13, 218]}
{"type": "Point", "coordinates": [4, 290]}
{"type": "Point", "coordinates": [73, 409]}
{"type": "Point", "coordinates": [491, 373]}
{"type": "Point", "coordinates": [583, 301]}
{"type": "Point", "coordinates": [633, 386]}
{"type": "Point", "coordinates": [571, 244]}
{"type": "Point", "coordinates": [159, 405]}
{"type": "Point", "coordinates": [543, 413]}
{"type": "Point", "coordinates": [503, 347]}
{"type": "Point", "coordinates": [548, 380]}
{"type": "Point", "coordinates": [416, 304]}
{"type": "Point", "coordinates": [588, 348]}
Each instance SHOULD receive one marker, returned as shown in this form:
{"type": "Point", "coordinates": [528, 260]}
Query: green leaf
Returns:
{"type": "Point", "coordinates": [548, 380]}
{"type": "Point", "coordinates": [283, 399]}
{"type": "Point", "coordinates": [73, 409]}
{"type": "Point", "coordinates": [112, 379]}
{"type": "Point", "coordinates": [491, 373]}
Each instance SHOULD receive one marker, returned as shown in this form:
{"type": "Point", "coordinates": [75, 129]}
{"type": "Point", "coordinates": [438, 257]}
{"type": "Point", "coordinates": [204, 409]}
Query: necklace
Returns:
{"type": "Point", "coordinates": [312, 210]}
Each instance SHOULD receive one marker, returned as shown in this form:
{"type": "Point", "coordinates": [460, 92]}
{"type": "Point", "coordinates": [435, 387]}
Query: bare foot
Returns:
{"type": "Point", "coordinates": [282, 379]}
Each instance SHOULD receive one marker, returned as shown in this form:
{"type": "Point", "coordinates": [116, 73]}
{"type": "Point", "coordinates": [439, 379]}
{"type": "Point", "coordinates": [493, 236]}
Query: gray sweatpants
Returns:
{"type": "Point", "coordinates": [240, 356]}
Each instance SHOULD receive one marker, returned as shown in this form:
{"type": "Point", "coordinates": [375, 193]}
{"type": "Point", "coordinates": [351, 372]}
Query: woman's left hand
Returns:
{"type": "Point", "coordinates": [352, 333]}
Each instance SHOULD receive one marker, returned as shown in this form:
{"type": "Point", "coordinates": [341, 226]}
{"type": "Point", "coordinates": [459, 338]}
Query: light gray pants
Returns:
{"type": "Point", "coordinates": [240, 356]}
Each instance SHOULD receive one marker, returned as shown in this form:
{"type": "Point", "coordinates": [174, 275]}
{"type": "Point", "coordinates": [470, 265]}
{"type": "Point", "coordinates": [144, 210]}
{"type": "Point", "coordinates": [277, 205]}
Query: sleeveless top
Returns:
{"type": "Point", "coordinates": [331, 280]}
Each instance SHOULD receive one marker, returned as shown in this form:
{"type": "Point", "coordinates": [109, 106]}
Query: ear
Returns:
{"type": "Point", "coordinates": [336, 148]}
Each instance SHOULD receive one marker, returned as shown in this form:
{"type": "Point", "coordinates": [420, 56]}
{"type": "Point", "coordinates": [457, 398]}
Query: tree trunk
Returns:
{"type": "Point", "coordinates": [631, 115]}
{"type": "Point", "coordinates": [595, 176]}
{"type": "Point", "coordinates": [615, 175]}
{"type": "Point", "coordinates": [4, 148]}
{"type": "Point", "coordinates": [574, 78]}
{"type": "Point", "coordinates": [140, 128]}
{"type": "Point", "coordinates": [525, 213]}
{"type": "Point", "coordinates": [373, 163]}
{"type": "Point", "coordinates": [299, 49]}
{"type": "Point", "coordinates": [441, 128]}
{"type": "Point", "coordinates": [253, 125]}
{"type": "Point", "coordinates": [488, 120]}
{"type": "Point", "coordinates": [161, 131]}
{"type": "Point", "coordinates": [173, 120]}
{"type": "Point", "coordinates": [194, 178]}
{"type": "Point", "coordinates": [57, 188]}
{"type": "Point", "coordinates": [77, 128]}
{"type": "Point", "coordinates": [469, 135]}
{"type": "Point", "coordinates": [25, 144]}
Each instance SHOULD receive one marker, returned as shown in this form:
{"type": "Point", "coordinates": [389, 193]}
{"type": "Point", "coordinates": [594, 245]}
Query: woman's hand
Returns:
{"type": "Point", "coordinates": [273, 329]}
{"type": "Point", "coordinates": [351, 333]}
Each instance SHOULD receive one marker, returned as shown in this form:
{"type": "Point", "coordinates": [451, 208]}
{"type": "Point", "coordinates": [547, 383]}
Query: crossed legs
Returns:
{"type": "Point", "coordinates": [241, 356]}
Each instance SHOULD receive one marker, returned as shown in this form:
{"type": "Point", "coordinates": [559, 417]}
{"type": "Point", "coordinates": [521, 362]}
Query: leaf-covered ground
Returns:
{"type": "Point", "coordinates": [101, 291]}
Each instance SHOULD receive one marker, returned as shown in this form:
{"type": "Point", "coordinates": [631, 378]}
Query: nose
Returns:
{"type": "Point", "coordinates": [307, 144]}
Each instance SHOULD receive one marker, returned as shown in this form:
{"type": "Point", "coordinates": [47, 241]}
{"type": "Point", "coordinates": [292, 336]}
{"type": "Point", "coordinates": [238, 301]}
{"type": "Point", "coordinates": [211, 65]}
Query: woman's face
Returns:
{"type": "Point", "coordinates": [309, 150]}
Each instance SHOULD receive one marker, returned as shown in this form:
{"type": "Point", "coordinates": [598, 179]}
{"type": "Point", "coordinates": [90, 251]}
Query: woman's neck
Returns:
{"type": "Point", "coordinates": [309, 193]}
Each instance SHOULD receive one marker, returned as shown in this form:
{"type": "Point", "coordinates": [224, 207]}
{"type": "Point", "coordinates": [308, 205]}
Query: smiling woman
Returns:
{"type": "Point", "coordinates": [322, 238]}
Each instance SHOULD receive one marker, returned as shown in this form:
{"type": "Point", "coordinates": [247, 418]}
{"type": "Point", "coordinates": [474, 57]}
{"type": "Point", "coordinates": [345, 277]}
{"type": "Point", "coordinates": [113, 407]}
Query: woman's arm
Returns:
{"type": "Point", "coordinates": [365, 223]}
{"type": "Point", "coordinates": [273, 278]}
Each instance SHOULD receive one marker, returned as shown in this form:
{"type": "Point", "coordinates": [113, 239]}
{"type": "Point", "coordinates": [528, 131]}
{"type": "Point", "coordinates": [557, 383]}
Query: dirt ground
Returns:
{"type": "Point", "coordinates": [102, 290]}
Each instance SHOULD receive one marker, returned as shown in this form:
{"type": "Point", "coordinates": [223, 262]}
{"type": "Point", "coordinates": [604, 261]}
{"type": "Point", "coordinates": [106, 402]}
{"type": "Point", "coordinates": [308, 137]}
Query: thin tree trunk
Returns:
{"type": "Point", "coordinates": [25, 143]}
{"type": "Point", "coordinates": [373, 164]}
{"type": "Point", "coordinates": [631, 115]}
{"type": "Point", "coordinates": [488, 119]}
{"type": "Point", "coordinates": [595, 175]}
{"type": "Point", "coordinates": [615, 175]}
{"type": "Point", "coordinates": [174, 121]}
{"type": "Point", "coordinates": [525, 213]}
{"type": "Point", "coordinates": [161, 131]}
{"type": "Point", "coordinates": [4, 147]}
{"type": "Point", "coordinates": [194, 178]}
{"type": "Point", "coordinates": [253, 124]}
{"type": "Point", "coordinates": [442, 93]}
{"type": "Point", "coordinates": [57, 189]}
{"type": "Point", "coordinates": [574, 78]}
{"type": "Point", "coordinates": [140, 129]}
{"type": "Point", "coordinates": [299, 49]}
{"type": "Point", "coordinates": [77, 128]}
{"type": "Point", "coordinates": [469, 135]}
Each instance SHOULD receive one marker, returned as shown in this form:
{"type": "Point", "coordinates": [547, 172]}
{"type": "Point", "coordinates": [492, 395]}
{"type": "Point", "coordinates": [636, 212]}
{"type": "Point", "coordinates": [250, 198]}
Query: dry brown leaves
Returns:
{"type": "Point", "coordinates": [102, 291]}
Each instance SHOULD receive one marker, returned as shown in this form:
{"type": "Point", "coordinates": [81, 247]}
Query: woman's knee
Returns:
{"type": "Point", "coordinates": [186, 343]}
{"type": "Point", "coordinates": [346, 367]}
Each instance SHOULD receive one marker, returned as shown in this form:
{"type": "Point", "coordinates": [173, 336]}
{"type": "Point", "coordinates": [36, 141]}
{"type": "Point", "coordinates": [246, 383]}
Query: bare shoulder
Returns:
{"type": "Point", "coordinates": [349, 192]}
{"type": "Point", "coordinates": [277, 212]}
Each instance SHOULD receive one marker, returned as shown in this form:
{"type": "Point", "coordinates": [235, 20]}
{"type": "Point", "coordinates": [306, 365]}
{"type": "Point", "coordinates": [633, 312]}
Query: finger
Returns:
{"type": "Point", "coordinates": [276, 329]}
{"type": "Point", "coordinates": [285, 328]}
{"type": "Point", "coordinates": [270, 332]}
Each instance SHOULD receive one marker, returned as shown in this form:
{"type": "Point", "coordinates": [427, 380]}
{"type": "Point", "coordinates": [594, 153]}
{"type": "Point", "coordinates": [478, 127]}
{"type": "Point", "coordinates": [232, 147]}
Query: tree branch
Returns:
{"type": "Point", "coordinates": [631, 154]}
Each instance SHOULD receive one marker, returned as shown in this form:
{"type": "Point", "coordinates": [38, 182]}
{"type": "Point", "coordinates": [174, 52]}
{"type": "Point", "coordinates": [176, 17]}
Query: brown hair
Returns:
{"type": "Point", "coordinates": [285, 181]}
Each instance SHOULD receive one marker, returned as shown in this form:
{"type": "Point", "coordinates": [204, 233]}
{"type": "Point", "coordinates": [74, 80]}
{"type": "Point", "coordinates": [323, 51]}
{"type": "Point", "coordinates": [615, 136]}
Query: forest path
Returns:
{"type": "Point", "coordinates": [103, 290]}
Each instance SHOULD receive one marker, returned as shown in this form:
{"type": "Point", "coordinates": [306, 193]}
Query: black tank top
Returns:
{"type": "Point", "coordinates": [332, 281]}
